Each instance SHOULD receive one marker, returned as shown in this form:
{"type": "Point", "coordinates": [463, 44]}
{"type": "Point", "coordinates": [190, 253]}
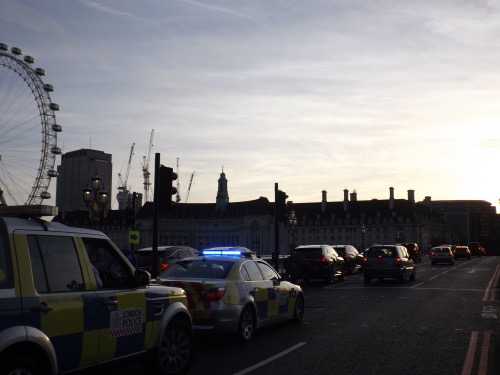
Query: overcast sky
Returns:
{"type": "Point", "coordinates": [314, 95]}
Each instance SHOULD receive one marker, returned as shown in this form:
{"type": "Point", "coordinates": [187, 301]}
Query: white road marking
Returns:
{"type": "Point", "coordinates": [270, 359]}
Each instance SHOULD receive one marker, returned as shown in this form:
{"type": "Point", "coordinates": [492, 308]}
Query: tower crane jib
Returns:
{"type": "Point", "coordinates": [145, 168]}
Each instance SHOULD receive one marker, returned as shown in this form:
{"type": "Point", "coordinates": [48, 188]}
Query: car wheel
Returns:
{"type": "Point", "coordinates": [298, 311]}
{"type": "Point", "coordinates": [341, 276]}
{"type": "Point", "coordinates": [246, 327]}
{"type": "Point", "coordinates": [367, 280]}
{"type": "Point", "coordinates": [433, 263]}
{"type": "Point", "coordinates": [330, 277]}
{"type": "Point", "coordinates": [19, 364]}
{"type": "Point", "coordinates": [176, 352]}
{"type": "Point", "coordinates": [413, 274]}
{"type": "Point", "coordinates": [402, 278]}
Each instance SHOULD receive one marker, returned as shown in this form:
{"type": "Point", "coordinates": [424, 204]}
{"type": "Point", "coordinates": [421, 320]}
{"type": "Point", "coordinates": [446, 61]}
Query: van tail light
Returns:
{"type": "Point", "coordinates": [213, 294]}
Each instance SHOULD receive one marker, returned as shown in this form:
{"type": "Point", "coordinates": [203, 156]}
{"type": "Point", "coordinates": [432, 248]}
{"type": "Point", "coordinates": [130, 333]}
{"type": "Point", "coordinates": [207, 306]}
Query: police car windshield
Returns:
{"type": "Point", "coordinates": [198, 269]}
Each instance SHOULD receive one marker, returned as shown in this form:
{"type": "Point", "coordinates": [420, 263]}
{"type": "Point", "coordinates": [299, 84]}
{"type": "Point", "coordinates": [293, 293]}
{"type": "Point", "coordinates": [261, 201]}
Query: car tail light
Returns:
{"type": "Point", "coordinates": [164, 266]}
{"type": "Point", "coordinates": [365, 260]}
{"type": "Point", "coordinates": [212, 294]}
{"type": "Point", "coordinates": [397, 261]}
{"type": "Point", "coordinates": [323, 259]}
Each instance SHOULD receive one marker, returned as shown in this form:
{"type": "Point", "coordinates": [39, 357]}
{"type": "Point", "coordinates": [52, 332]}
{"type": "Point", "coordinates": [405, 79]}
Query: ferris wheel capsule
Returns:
{"type": "Point", "coordinates": [54, 106]}
{"type": "Point", "coordinates": [40, 71]}
{"type": "Point", "coordinates": [16, 51]}
{"type": "Point", "coordinates": [56, 150]}
{"type": "Point", "coordinates": [45, 195]}
{"type": "Point", "coordinates": [52, 173]}
{"type": "Point", "coordinates": [3, 47]}
{"type": "Point", "coordinates": [48, 88]}
{"type": "Point", "coordinates": [29, 59]}
{"type": "Point", "coordinates": [57, 128]}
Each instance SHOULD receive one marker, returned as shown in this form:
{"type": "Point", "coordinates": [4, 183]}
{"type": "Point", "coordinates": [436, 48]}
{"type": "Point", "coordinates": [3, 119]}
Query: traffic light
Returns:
{"type": "Point", "coordinates": [281, 197]}
{"type": "Point", "coordinates": [166, 189]}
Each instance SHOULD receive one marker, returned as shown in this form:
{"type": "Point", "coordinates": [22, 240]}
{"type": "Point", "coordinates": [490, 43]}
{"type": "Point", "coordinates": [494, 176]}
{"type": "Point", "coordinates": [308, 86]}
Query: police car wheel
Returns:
{"type": "Point", "coordinates": [246, 328]}
{"type": "Point", "coordinates": [19, 365]}
{"type": "Point", "coordinates": [298, 312]}
{"type": "Point", "coordinates": [176, 352]}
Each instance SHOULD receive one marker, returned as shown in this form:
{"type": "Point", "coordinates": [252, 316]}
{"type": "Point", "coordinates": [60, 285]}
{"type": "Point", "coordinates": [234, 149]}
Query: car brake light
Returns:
{"type": "Point", "coordinates": [213, 294]}
{"type": "Point", "coordinates": [164, 266]}
{"type": "Point", "coordinates": [323, 259]}
{"type": "Point", "coordinates": [397, 261]}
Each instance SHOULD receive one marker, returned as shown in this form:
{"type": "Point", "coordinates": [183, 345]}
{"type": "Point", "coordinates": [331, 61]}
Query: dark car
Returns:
{"type": "Point", "coordinates": [351, 257]}
{"type": "Point", "coordinates": [314, 262]}
{"type": "Point", "coordinates": [413, 250]}
{"type": "Point", "coordinates": [168, 255]}
{"type": "Point", "coordinates": [461, 252]}
{"type": "Point", "coordinates": [476, 249]}
{"type": "Point", "coordinates": [388, 261]}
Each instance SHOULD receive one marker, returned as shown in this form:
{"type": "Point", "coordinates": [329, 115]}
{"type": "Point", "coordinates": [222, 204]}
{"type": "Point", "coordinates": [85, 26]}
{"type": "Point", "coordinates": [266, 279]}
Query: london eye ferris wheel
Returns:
{"type": "Point", "coordinates": [28, 130]}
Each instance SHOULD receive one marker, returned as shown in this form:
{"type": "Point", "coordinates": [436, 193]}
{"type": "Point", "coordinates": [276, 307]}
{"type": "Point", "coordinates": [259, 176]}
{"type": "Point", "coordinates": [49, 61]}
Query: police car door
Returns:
{"type": "Point", "coordinates": [279, 293]}
{"type": "Point", "coordinates": [55, 297]}
{"type": "Point", "coordinates": [120, 309]}
{"type": "Point", "coordinates": [262, 290]}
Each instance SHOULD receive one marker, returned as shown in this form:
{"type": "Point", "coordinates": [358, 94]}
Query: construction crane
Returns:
{"type": "Point", "coordinates": [123, 182]}
{"type": "Point", "coordinates": [178, 195]}
{"type": "Point", "coordinates": [145, 168]}
{"type": "Point", "coordinates": [189, 187]}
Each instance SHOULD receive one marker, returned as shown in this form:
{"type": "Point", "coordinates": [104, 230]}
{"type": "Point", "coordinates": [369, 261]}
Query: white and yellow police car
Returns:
{"type": "Point", "coordinates": [69, 299]}
{"type": "Point", "coordinates": [231, 289]}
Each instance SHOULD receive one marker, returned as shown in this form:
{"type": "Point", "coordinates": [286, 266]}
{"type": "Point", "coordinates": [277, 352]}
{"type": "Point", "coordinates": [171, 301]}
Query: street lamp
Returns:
{"type": "Point", "coordinates": [95, 197]}
{"type": "Point", "coordinates": [292, 220]}
{"type": "Point", "coordinates": [363, 231]}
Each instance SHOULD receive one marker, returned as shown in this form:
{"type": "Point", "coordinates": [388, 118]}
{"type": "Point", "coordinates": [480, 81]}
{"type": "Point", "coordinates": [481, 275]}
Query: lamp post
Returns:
{"type": "Point", "coordinates": [95, 197]}
{"type": "Point", "coordinates": [292, 220]}
{"type": "Point", "coordinates": [363, 231]}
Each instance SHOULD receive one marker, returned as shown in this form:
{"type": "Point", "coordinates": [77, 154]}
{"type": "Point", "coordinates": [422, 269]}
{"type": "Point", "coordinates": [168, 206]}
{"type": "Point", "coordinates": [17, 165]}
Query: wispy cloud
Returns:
{"type": "Point", "coordinates": [216, 8]}
{"type": "Point", "coordinates": [115, 12]}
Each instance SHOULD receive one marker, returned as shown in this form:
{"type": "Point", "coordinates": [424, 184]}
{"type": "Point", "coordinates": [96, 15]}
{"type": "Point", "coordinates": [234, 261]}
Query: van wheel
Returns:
{"type": "Point", "coordinates": [19, 364]}
{"type": "Point", "coordinates": [176, 352]}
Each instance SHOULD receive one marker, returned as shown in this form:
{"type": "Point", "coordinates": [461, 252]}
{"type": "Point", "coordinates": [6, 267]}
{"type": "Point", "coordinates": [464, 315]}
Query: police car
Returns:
{"type": "Point", "coordinates": [69, 299]}
{"type": "Point", "coordinates": [231, 289]}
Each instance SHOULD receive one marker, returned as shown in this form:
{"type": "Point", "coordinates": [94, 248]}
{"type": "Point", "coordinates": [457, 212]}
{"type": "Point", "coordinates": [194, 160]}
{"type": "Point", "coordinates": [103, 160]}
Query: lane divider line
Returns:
{"type": "Point", "coordinates": [483, 362]}
{"type": "Point", "coordinates": [489, 293]}
{"type": "Point", "coordinates": [270, 359]}
{"type": "Point", "coordinates": [469, 358]}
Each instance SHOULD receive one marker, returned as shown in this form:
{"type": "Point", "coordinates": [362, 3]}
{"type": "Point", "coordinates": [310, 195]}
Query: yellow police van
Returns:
{"type": "Point", "coordinates": [69, 299]}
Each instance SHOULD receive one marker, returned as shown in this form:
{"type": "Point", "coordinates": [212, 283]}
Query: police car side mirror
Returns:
{"type": "Point", "coordinates": [142, 277]}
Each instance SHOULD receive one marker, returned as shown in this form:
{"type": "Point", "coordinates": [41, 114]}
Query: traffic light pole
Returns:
{"type": "Point", "coordinates": [276, 229]}
{"type": "Point", "coordinates": [156, 214]}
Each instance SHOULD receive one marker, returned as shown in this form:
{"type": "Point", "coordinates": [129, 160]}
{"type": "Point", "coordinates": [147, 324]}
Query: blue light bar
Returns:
{"type": "Point", "coordinates": [222, 252]}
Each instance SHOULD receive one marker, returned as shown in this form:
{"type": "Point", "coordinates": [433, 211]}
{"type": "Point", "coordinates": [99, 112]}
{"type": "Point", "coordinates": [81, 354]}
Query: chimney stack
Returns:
{"type": "Point", "coordinates": [346, 199]}
{"type": "Point", "coordinates": [323, 201]}
{"type": "Point", "coordinates": [391, 198]}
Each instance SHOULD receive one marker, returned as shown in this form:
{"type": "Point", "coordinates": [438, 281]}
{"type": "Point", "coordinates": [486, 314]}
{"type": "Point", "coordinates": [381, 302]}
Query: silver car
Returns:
{"type": "Point", "coordinates": [442, 254]}
{"type": "Point", "coordinates": [231, 289]}
{"type": "Point", "coordinates": [388, 261]}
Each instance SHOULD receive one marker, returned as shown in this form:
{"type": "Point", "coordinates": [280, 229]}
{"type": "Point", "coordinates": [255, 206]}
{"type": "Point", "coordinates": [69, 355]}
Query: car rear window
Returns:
{"type": "Point", "coordinates": [382, 252]}
{"type": "Point", "coordinates": [198, 268]}
{"type": "Point", "coordinates": [443, 251]}
{"type": "Point", "coordinates": [309, 251]}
